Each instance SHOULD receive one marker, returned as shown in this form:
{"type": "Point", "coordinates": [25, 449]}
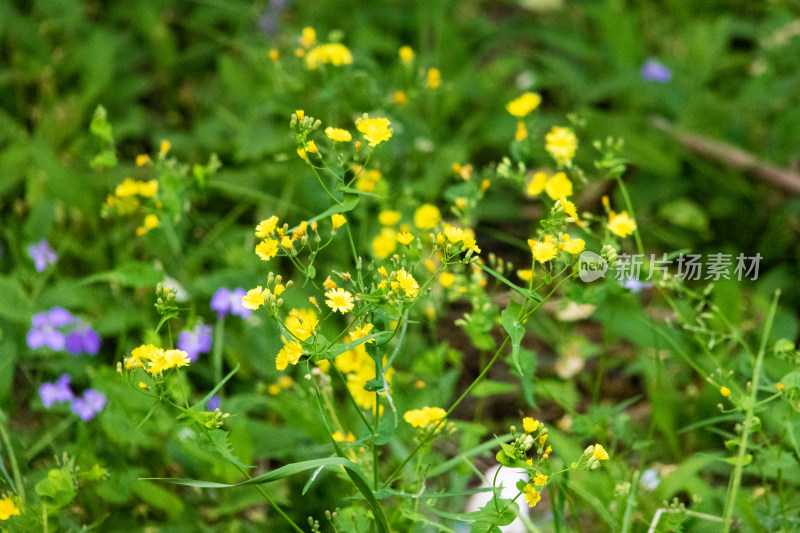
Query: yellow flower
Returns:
{"type": "Point", "coordinates": [399, 97]}
{"type": "Point", "coordinates": [374, 130]}
{"type": "Point", "coordinates": [537, 183]}
{"type": "Point", "coordinates": [339, 300]}
{"type": "Point", "coordinates": [427, 216]}
{"type": "Point", "coordinates": [543, 251]}
{"type": "Point", "coordinates": [532, 495]}
{"type": "Point", "coordinates": [407, 282]}
{"type": "Point", "coordinates": [780, 386]}
{"type": "Point", "coordinates": [285, 382]}
{"type": "Point", "coordinates": [329, 283]}
{"type": "Point", "coordinates": [128, 187]}
{"type": "Point", "coordinates": [385, 243]}
{"type": "Point", "coordinates": [8, 508]}
{"type": "Point", "coordinates": [446, 279]}
{"type": "Point", "coordinates": [389, 217]}
{"type": "Point", "coordinates": [573, 246]}
{"type": "Point", "coordinates": [405, 238]}
{"type": "Point", "coordinates": [165, 146]}
{"type": "Point", "coordinates": [558, 186]}
{"type": "Point", "coordinates": [540, 480]}
{"type": "Point", "coordinates": [274, 390]}
{"type": "Point", "coordinates": [521, 133]}
{"type": "Point", "coordinates": [600, 453]}
{"type": "Point", "coordinates": [309, 37]}
{"type": "Point", "coordinates": [571, 210]}
{"type": "Point", "coordinates": [143, 385]}
{"type": "Point", "coordinates": [335, 54]}
{"type": "Point", "coordinates": [546, 453]}
{"type": "Point", "coordinates": [265, 227]}
{"type": "Point", "coordinates": [338, 221]}
{"type": "Point", "coordinates": [289, 354]}
{"type": "Point", "coordinates": [453, 233]}
{"type": "Point", "coordinates": [419, 418]}
{"type": "Point", "coordinates": [267, 249]}
{"type": "Point", "coordinates": [286, 242]}
{"type": "Point", "coordinates": [311, 147]}
{"type": "Point", "coordinates": [142, 160]}
{"type": "Point", "coordinates": [725, 391]}
{"type": "Point", "coordinates": [255, 298]}
{"type": "Point", "coordinates": [621, 224]}
{"type": "Point", "coordinates": [148, 189]}
{"type": "Point", "coordinates": [530, 425]}
{"type": "Point", "coordinates": [176, 358]}
{"type": "Point", "coordinates": [434, 78]}
{"type": "Point", "coordinates": [302, 323]}
{"type": "Point", "coordinates": [520, 107]}
{"type": "Point", "coordinates": [525, 274]}
{"type": "Point", "coordinates": [406, 54]}
{"type": "Point", "coordinates": [338, 135]}
{"type": "Point", "coordinates": [562, 144]}
{"type": "Point", "coordinates": [274, 54]}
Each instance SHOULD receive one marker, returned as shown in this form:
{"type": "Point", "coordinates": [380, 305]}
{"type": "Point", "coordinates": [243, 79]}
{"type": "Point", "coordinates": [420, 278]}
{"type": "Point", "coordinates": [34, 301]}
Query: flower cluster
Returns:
{"type": "Point", "coordinates": [268, 296]}
{"type": "Point", "coordinates": [156, 360]}
{"type": "Point", "coordinates": [422, 418]}
{"type": "Point", "coordinates": [335, 54]}
{"type": "Point", "coordinates": [8, 508]}
{"type": "Point", "coordinates": [359, 368]}
{"type": "Point", "coordinates": [86, 406]}
{"type": "Point", "coordinates": [58, 329]}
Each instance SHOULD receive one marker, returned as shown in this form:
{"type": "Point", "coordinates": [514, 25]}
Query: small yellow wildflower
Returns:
{"type": "Point", "coordinates": [573, 246]}
{"type": "Point", "coordinates": [339, 300]}
{"type": "Point", "coordinates": [725, 391]}
{"type": "Point", "coordinates": [542, 439]}
{"type": "Point", "coordinates": [385, 243]}
{"type": "Point", "coordinates": [427, 216]}
{"type": "Point", "coordinates": [285, 382]}
{"type": "Point", "coordinates": [537, 183]}
{"type": "Point", "coordinates": [338, 135]}
{"type": "Point", "coordinates": [329, 283]}
{"type": "Point", "coordinates": [142, 160]}
{"type": "Point", "coordinates": [543, 251]}
{"type": "Point", "coordinates": [540, 480]}
{"type": "Point", "coordinates": [267, 249]}
{"type": "Point", "coordinates": [274, 55]}
{"type": "Point", "coordinates": [308, 37]}
{"type": "Point", "coordinates": [143, 385]}
{"type": "Point", "coordinates": [600, 453]}
{"type": "Point", "coordinates": [453, 233]}
{"type": "Point", "coordinates": [311, 147]}
{"type": "Point", "coordinates": [388, 217]}
{"type": "Point", "coordinates": [399, 97]}
{"type": "Point", "coordinates": [176, 358]}
{"type": "Point", "coordinates": [289, 354]}
{"type": "Point", "coordinates": [286, 242]}
{"type": "Point", "coordinates": [338, 221]}
{"type": "Point", "coordinates": [405, 238]}
{"type": "Point", "coordinates": [148, 189]}
{"type": "Point", "coordinates": [335, 54]}
{"type": "Point", "coordinates": [446, 279]}
{"type": "Point", "coordinates": [419, 384]}
{"type": "Point", "coordinates": [522, 132]}
{"type": "Point", "coordinates": [529, 424]}
{"type": "Point", "coordinates": [265, 227]}
{"type": "Point", "coordinates": [571, 210]}
{"type": "Point", "coordinates": [621, 224]}
{"type": "Point", "coordinates": [558, 186]}
{"type": "Point", "coordinates": [561, 144]}
{"type": "Point", "coordinates": [255, 298]}
{"type": "Point", "coordinates": [274, 389]}
{"type": "Point", "coordinates": [520, 107]}
{"type": "Point", "coordinates": [302, 323]}
{"type": "Point", "coordinates": [165, 146]}
{"type": "Point", "coordinates": [8, 508]}
{"type": "Point", "coordinates": [374, 130]}
{"type": "Point", "coordinates": [407, 282]}
{"type": "Point", "coordinates": [546, 453]}
{"type": "Point", "coordinates": [419, 418]}
{"type": "Point", "coordinates": [406, 54]}
{"type": "Point", "coordinates": [434, 78]}
{"type": "Point", "coordinates": [532, 495]}
{"type": "Point", "coordinates": [525, 274]}
{"type": "Point", "coordinates": [300, 114]}
{"type": "Point", "coordinates": [780, 386]}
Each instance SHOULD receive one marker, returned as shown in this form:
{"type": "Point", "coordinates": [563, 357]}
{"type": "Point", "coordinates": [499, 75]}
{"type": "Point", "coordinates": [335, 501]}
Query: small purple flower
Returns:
{"type": "Point", "coordinates": [196, 341]}
{"type": "Point", "coordinates": [82, 339]}
{"type": "Point", "coordinates": [225, 301]}
{"type": "Point", "coordinates": [634, 285]}
{"type": "Point", "coordinates": [58, 391]}
{"type": "Point", "coordinates": [42, 255]}
{"type": "Point", "coordinates": [654, 70]}
{"type": "Point", "coordinates": [89, 405]}
{"type": "Point", "coordinates": [44, 332]}
{"type": "Point", "coordinates": [213, 403]}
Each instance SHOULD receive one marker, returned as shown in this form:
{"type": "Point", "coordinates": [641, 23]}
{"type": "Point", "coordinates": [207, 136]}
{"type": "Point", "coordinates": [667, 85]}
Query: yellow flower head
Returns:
{"type": "Point", "coordinates": [385, 243]}
{"type": "Point", "coordinates": [521, 133]}
{"type": "Point", "coordinates": [434, 78]}
{"type": "Point", "coordinates": [406, 54]}
{"type": "Point", "coordinates": [388, 217]}
{"type": "Point", "coordinates": [561, 143]}
{"type": "Point", "coordinates": [165, 146]}
{"type": "Point", "coordinates": [267, 249]}
{"type": "Point", "coordinates": [338, 221]}
{"type": "Point", "coordinates": [621, 224]}
{"type": "Point", "coordinates": [339, 300]}
{"type": "Point", "coordinates": [599, 453]}
{"type": "Point", "coordinates": [529, 424]}
{"type": "Point", "coordinates": [543, 251]}
{"type": "Point", "coordinates": [311, 147]}
{"type": "Point", "coordinates": [427, 216]}
{"type": "Point", "coordinates": [265, 227]}
{"type": "Point", "coordinates": [571, 210]}
{"type": "Point", "coordinates": [573, 246]}
{"type": "Point", "coordinates": [405, 238]}
{"type": "Point", "coordinates": [525, 274]}
{"type": "Point", "coordinates": [335, 54]}
{"type": "Point", "coordinates": [558, 186]}
{"type": "Point", "coordinates": [308, 38]}
{"type": "Point", "coordinates": [255, 298]}
{"type": "Point", "coordinates": [419, 418]}
{"type": "Point", "coordinates": [540, 480]}
{"type": "Point", "coordinates": [407, 282]}
{"type": "Point", "coordinates": [725, 391]}
{"type": "Point", "coordinates": [520, 107]}
{"type": "Point", "coordinates": [8, 508]}
{"type": "Point", "coordinates": [532, 495]}
{"type": "Point", "coordinates": [537, 183]}
{"type": "Point", "coordinates": [302, 323]}
{"type": "Point", "coordinates": [142, 160]}
{"type": "Point", "coordinates": [338, 135]}
{"type": "Point", "coordinates": [446, 279]}
{"type": "Point", "coordinates": [128, 187]}
{"type": "Point", "coordinates": [374, 130]}
{"type": "Point", "coordinates": [289, 354]}
{"type": "Point", "coordinates": [399, 97]}
{"type": "Point", "coordinates": [274, 54]}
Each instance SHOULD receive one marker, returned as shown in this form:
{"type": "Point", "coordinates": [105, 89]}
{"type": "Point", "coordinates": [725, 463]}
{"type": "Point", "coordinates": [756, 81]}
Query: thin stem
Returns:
{"type": "Point", "coordinates": [736, 478]}
{"type": "Point", "coordinates": [216, 356]}
{"type": "Point", "coordinates": [629, 207]}
{"type": "Point", "coordinates": [19, 489]}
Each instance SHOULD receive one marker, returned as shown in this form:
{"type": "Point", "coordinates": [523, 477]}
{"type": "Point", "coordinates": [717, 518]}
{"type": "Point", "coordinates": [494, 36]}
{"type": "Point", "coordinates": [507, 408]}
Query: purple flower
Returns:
{"type": "Point", "coordinates": [44, 332]}
{"type": "Point", "coordinates": [82, 339]}
{"type": "Point", "coordinates": [654, 70]}
{"type": "Point", "coordinates": [196, 341]}
{"type": "Point", "coordinates": [634, 285]}
{"type": "Point", "coordinates": [213, 403]}
{"type": "Point", "coordinates": [58, 391]}
{"type": "Point", "coordinates": [42, 255]}
{"type": "Point", "coordinates": [225, 301]}
{"type": "Point", "coordinates": [89, 405]}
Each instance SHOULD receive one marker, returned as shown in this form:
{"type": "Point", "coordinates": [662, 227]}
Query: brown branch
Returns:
{"type": "Point", "coordinates": [731, 156]}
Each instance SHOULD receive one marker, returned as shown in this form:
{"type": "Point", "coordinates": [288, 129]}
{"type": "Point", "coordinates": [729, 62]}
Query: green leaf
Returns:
{"type": "Point", "coordinates": [58, 489]}
{"type": "Point", "coordinates": [131, 274]}
{"type": "Point", "coordinates": [488, 387]}
{"type": "Point", "coordinates": [100, 126]}
{"type": "Point", "coordinates": [222, 444]}
{"type": "Point", "coordinates": [105, 159]}
{"type": "Point", "coordinates": [515, 330]}
{"type": "Point", "coordinates": [158, 497]}
{"type": "Point", "coordinates": [348, 204]}
{"type": "Point", "coordinates": [340, 348]}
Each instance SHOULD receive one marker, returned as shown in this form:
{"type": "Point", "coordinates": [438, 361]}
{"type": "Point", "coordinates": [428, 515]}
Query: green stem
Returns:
{"type": "Point", "coordinates": [216, 356]}
{"type": "Point", "coordinates": [19, 489]}
{"type": "Point", "coordinates": [736, 478]}
{"type": "Point", "coordinates": [629, 207]}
